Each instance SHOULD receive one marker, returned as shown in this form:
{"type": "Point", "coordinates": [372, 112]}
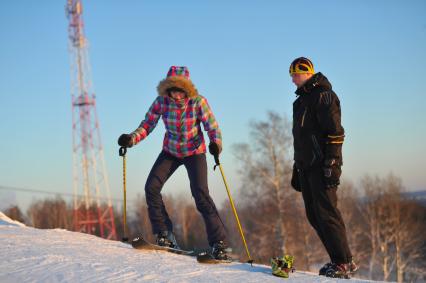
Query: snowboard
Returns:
{"type": "Point", "coordinates": [142, 244]}
{"type": "Point", "coordinates": [204, 257]}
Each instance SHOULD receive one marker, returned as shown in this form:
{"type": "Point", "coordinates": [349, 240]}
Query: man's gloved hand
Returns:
{"type": "Point", "coordinates": [215, 149]}
{"type": "Point", "coordinates": [125, 140]}
{"type": "Point", "coordinates": [332, 172]}
{"type": "Point", "coordinates": [295, 181]}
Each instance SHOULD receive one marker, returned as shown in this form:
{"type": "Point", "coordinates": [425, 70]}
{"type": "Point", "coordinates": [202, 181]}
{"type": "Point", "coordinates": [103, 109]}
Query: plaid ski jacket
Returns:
{"type": "Point", "coordinates": [182, 120]}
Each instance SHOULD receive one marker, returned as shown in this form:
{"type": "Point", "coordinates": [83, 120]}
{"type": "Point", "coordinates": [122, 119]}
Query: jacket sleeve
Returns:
{"type": "Point", "coordinates": [329, 118]}
{"type": "Point", "coordinates": [205, 115]}
{"type": "Point", "coordinates": [149, 123]}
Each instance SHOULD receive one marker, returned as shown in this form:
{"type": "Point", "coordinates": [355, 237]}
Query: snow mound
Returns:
{"type": "Point", "coordinates": [4, 220]}
{"type": "Point", "coordinates": [35, 255]}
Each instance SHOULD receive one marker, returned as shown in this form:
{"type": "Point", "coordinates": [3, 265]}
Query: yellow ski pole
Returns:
{"type": "Point", "coordinates": [216, 158]}
{"type": "Point", "coordinates": [122, 152]}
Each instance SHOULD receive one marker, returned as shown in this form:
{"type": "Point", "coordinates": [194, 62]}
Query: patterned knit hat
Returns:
{"type": "Point", "coordinates": [177, 77]}
{"type": "Point", "coordinates": [178, 71]}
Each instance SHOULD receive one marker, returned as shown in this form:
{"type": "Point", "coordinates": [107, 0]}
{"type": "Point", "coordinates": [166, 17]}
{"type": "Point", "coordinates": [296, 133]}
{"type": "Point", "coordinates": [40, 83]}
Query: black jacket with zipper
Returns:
{"type": "Point", "coordinates": [317, 130]}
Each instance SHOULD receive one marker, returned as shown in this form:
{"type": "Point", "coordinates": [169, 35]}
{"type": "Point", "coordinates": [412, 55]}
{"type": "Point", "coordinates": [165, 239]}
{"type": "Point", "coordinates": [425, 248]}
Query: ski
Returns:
{"type": "Point", "coordinates": [206, 257]}
{"type": "Point", "coordinates": [142, 244]}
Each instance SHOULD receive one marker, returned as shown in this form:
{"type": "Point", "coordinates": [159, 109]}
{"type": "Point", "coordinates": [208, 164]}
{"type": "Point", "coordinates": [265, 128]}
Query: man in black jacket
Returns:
{"type": "Point", "coordinates": [318, 139]}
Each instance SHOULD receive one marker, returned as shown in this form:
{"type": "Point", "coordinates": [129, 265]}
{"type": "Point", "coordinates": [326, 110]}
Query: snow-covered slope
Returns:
{"type": "Point", "coordinates": [4, 220]}
{"type": "Point", "coordinates": [34, 255]}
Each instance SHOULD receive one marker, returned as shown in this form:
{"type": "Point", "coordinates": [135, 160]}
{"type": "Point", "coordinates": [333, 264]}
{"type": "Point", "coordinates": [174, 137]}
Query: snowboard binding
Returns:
{"type": "Point", "coordinates": [282, 266]}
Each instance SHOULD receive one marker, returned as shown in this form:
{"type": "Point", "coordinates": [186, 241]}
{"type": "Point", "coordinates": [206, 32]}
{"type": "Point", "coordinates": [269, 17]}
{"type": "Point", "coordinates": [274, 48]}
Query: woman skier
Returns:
{"type": "Point", "coordinates": [182, 110]}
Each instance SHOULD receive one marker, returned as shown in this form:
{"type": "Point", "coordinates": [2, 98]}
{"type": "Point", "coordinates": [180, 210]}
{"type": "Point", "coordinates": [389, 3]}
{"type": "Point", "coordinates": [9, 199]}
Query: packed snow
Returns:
{"type": "Point", "coordinates": [34, 255]}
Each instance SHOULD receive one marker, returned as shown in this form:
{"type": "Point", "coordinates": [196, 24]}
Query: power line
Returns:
{"type": "Point", "coordinates": [8, 188]}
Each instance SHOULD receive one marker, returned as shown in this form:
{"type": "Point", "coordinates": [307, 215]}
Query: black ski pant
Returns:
{"type": "Point", "coordinates": [196, 166]}
{"type": "Point", "coordinates": [323, 214]}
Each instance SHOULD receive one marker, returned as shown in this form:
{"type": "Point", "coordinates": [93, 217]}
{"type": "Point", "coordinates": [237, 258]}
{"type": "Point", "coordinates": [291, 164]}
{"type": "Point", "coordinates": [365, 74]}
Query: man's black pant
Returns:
{"type": "Point", "coordinates": [196, 166]}
{"type": "Point", "coordinates": [323, 214]}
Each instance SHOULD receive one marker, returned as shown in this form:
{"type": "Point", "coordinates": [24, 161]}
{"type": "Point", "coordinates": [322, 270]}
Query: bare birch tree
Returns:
{"type": "Point", "coordinates": [265, 168]}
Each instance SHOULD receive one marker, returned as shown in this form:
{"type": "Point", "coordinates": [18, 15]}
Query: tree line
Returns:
{"type": "Point", "coordinates": [386, 231]}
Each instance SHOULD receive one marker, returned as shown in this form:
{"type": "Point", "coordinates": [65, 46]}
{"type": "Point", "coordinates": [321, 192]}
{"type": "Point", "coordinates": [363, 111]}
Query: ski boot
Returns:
{"type": "Point", "coordinates": [353, 267]}
{"type": "Point", "coordinates": [342, 270]}
{"type": "Point", "coordinates": [219, 251]}
{"type": "Point", "coordinates": [167, 239]}
{"type": "Point", "coordinates": [324, 269]}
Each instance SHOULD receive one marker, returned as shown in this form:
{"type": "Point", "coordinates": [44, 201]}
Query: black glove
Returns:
{"type": "Point", "coordinates": [125, 140]}
{"type": "Point", "coordinates": [332, 172]}
{"type": "Point", "coordinates": [295, 181]}
{"type": "Point", "coordinates": [214, 149]}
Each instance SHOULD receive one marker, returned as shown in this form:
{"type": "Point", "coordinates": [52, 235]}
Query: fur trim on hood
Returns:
{"type": "Point", "coordinates": [179, 82]}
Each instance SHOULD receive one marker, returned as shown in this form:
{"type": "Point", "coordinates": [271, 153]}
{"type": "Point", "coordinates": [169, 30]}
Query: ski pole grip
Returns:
{"type": "Point", "coordinates": [122, 151]}
{"type": "Point", "coordinates": [216, 159]}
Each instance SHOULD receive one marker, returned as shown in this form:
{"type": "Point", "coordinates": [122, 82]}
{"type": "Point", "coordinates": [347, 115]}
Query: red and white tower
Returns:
{"type": "Point", "coordinates": [90, 179]}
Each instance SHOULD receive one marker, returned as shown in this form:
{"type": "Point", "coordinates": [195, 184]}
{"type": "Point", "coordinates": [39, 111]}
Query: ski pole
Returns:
{"type": "Point", "coordinates": [122, 152]}
{"type": "Point", "coordinates": [216, 159]}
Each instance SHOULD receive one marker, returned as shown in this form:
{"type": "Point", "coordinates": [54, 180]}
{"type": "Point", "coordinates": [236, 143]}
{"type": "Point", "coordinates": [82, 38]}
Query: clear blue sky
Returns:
{"type": "Point", "coordinates": [238, 52]}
